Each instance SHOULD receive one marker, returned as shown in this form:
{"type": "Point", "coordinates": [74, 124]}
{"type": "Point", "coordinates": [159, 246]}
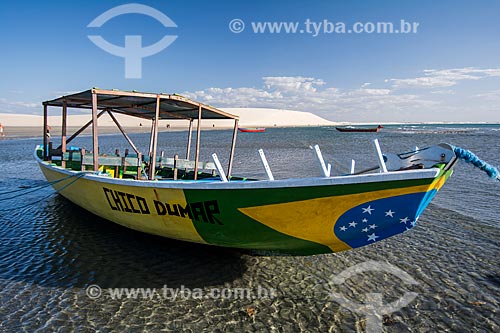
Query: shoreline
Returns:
{"type": "Point", "coordinates": [27, 132]}
{"type": "Point", "coordinates": [35, 132]}
{"type": "Point", "coordinates": [21, 126]}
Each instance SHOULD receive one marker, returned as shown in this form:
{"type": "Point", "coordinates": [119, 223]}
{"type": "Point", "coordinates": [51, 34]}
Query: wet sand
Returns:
{"type": "Point", "coordinates": [52, 251]}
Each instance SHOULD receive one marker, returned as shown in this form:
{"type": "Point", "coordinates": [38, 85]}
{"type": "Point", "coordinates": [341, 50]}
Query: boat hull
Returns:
{"type": "Point", "coordinates": [252, 130]}
{"type": "Point", "coordinates": [357, 130]}
{"type": "Point", "coordinates": [299, 217]}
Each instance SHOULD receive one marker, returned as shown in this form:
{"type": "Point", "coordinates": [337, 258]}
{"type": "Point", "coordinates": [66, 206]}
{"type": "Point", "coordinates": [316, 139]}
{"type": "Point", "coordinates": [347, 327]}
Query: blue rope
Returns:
{"type": "Point", "coordinates": [35, 188]}
{"type": "Point", "coordinates": [76, 176]}
{"type": "Point", "coordinates": [471, 158]}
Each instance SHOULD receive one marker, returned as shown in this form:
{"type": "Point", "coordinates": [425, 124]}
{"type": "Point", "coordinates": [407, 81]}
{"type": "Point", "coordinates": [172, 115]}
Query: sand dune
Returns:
{"type": "Point", "coordinates": [249, 117]}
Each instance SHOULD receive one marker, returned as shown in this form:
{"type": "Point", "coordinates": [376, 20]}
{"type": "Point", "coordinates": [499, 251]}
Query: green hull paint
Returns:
{"type": "Point", "coordinates": [241, 231]}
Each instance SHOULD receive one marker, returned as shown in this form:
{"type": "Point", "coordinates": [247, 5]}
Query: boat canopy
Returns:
{"type": "Point", "coordinates": [140, 104]}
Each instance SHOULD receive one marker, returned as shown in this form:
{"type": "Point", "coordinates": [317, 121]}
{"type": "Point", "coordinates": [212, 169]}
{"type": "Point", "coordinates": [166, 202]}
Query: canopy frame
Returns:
{"type": "Point", "coordinates": [150, 106]}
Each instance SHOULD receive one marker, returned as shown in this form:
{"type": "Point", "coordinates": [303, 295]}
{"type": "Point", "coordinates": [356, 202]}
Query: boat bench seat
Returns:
{"type": "Point", "coordinates": [118, 166]}
{"type": "Point", "coordinates": [171, 162]}
{"type": "Point", "coordinates": [113, 161]}
{"type": "Point", "coordinates": [131, 164]}
{"type": "Point", "coordinates": [187, 164]}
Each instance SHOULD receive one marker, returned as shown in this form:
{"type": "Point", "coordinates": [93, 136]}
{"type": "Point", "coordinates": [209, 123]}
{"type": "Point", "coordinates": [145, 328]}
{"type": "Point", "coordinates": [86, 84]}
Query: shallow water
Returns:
{"type": "Point", "coordinates": [51, 251]}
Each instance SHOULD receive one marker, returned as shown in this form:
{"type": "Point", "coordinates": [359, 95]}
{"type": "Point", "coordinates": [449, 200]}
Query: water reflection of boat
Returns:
{"type": "Point", "coordinates": [359, 129]}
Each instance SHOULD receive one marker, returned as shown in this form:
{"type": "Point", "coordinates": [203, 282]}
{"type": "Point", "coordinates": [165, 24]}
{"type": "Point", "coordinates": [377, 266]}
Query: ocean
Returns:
{"type": "Point", "coordinates": [63, 269]}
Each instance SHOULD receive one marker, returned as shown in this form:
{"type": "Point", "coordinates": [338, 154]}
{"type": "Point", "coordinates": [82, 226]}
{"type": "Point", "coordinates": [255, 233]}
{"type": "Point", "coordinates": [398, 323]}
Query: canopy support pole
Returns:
{"type": "Point", "coordinates": [233, 146]}
{"type": "Point", "coordinates": [190, 134]}
{"type": "Point", "coordinates": [123, 132]}
{"type": "Point", "coordinates": [150, 150]}
{"type": "Point", "coordinates": [45, 139]}
{"type": "Point", "coordinates": [197, 157]}
{"type": "Point", "coordinates": [95, 143]}
{"type": "Point", "coordinates": [63, 132]}
{"type": "Point", "coordinates": [152, 162]}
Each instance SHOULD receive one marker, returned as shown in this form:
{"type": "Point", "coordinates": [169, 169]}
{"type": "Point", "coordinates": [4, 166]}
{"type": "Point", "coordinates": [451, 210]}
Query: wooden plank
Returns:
{"type": "Point", "coordinates": [95, 143]}
{"type": "Point", "coordinates": [152, 167]}
{"type": "Point", "coordinates": [83, 128]}
{"type": "Point", "coordinates": [88, 159]}
{"type": "Point", "coordinates": [190, 134]}
{"type": "Point", "coordinates": [139, 167]}
{"type": "Point", "coordinates": [123, 93]}
{"type": "Point", "coordinates": [117, 167]}
{"type": "Point", "coordinates": [82, 156]}
{"type": "Point", "coordinates": [233, 146]}
{"type": "Point", "coordinates": [123, 132]}
{"type": "Point", "coordinates": [150, 149]}
{"type": "Point", "coordinates": [80, 100]}
{"type": "Point", "coordinates": [200, 105]}
{"type": "Point", "coordinates": [63, 131]}
{"type": "Point", "coordinates": [72, 156]}
{"type": "Point", "coordinates": [45, 139]}
{"type": "Point", "coordinates": [197, 156]}
{"type": "Point", "coordinates": [176, 158]}
{"type": "Point", "coordinates": [185, 164]}
{"type": "Point", "coordinates": [133, 161]}
{"type": "Point", "coordinates": [170, 162]}
{"type": "Point", "coordinates": [160, 160]}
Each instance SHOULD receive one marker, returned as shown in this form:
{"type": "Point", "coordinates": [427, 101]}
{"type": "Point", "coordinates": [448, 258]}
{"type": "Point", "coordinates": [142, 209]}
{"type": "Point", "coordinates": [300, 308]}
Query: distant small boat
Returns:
{"type": "Point", "coordinates": [251, 129]}
{"type": "Point", "coordinates": [359, 129]}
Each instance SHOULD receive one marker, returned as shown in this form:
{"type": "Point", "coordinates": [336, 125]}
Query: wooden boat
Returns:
{"type": "Point", "coordinates": [203, 202]}
{"type": "Point", "coordinates": [251, 129]}
{"type": "Point", "coordinates": [359, 129]}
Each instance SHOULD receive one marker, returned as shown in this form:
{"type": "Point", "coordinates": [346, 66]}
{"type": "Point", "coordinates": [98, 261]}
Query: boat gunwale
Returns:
{"type": "Point", "coordinates": [401, 175]}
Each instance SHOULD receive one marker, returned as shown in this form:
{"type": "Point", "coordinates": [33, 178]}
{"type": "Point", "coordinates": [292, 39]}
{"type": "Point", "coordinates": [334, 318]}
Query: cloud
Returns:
{"type": "Point", "coordinates": [292, 83]}
{"type": "Point", "coordinates": [387, 100]}
{"type": "Point", "coordinates": [444, 78]}
{"type": "Point", "coordinates": [312, 95]}
{"type": "Point", "coordinates": [493, 95]}
{"type": "Point", "coordinates": [16, 104]}
{"type": "Point", "coordinates": [236, 97]}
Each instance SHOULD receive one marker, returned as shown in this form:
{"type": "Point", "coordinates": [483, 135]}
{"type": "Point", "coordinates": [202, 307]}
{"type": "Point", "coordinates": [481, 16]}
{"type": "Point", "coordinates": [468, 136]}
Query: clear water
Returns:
{"type": "Point", "coordinates": [51, 250]}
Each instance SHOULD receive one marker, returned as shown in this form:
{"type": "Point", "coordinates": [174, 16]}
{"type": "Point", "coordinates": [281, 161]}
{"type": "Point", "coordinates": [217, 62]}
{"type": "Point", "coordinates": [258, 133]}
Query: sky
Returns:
{"type": "Point", "coordinates": [446, 69]}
